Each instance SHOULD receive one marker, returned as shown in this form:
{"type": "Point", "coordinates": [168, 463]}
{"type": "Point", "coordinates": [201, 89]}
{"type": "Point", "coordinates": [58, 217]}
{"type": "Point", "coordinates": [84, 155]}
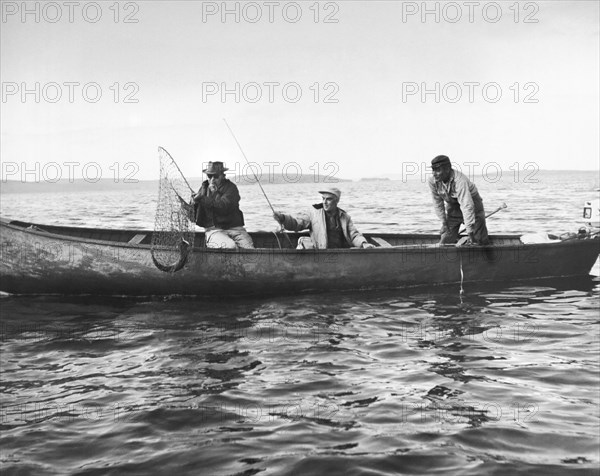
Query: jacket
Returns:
{"type": "Point", "coordinates": [220, 209]}
{"type": "Point", "coordinates": [459, 192]}
{"type": "Point", "coordinates": [315, 221]}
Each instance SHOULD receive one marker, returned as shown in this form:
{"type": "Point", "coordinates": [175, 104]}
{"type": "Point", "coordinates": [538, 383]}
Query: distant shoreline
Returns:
{"type": "Point", "coordinates": [81, 185]}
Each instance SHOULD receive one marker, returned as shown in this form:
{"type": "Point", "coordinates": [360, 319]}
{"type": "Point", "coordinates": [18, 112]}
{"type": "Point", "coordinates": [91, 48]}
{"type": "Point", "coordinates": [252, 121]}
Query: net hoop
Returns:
{"type": "Point", "coordinates": [174, 228]}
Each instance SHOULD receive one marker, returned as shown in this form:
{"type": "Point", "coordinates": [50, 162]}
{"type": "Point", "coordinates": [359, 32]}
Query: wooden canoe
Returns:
{"type": "Point", "coordinates": [41, 259]}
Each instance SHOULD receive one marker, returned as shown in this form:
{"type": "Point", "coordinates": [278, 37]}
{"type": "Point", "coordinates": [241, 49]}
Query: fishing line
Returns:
{"type": "Point", "coordinates": [462, 277]}
{"type": "Point", "coordinates": [257, 181]}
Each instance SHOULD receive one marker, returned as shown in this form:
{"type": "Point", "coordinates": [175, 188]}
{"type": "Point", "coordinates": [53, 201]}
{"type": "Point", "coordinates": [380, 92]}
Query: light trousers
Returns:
{"type": "Point", "coordinates": [231, 238]}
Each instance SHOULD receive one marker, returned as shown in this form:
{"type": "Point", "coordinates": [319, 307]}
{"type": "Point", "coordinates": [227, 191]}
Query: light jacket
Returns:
{"type": "Point", "coordinates": [315, 221]}
{"type": "Point", "coordinates": [459, 192]}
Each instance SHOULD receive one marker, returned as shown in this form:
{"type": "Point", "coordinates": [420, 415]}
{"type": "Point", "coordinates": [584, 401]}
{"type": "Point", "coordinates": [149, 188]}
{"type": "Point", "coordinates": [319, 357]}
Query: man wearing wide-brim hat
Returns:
{"type": "Point", "coordinates": [217, 209]}
{"type": "Point", "coordinates": [456, 200]}
{"type": "Point", "coordinates": [329, 225]}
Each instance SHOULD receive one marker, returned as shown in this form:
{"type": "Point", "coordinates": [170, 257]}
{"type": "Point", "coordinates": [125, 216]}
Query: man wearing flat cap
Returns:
{"type": "Point", "coordinates": [456, 201]}
{"type": "Point", "coordinates": [217, 210]}
{"type": "Point", "coordinates": [329, 226]}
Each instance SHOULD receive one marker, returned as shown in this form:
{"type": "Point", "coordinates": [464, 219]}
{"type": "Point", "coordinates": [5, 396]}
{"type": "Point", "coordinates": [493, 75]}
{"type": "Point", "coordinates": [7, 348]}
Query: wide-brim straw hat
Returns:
{"type": "Point", "coordinates": [215, 168]}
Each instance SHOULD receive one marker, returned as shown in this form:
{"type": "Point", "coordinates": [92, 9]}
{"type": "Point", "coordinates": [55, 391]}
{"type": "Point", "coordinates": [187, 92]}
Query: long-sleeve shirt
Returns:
{"type": "Point", "coordinates": [315, 221]}
{"type": "Point", "coordinates": [458, 192]}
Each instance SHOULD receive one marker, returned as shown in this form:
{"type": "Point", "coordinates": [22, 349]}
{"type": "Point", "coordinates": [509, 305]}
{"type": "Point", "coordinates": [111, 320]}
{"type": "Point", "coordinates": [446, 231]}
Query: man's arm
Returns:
{"type": "Point", "coordinates": [225, 199]}
{"type": "Point", "coordinates": [356, 236]}
{"type": "Point", "coordinates": [438, 201]}
{"type": "Point", "coordinates": [299, 223]}
{"type": "Point", "coordinates": [465, 200]}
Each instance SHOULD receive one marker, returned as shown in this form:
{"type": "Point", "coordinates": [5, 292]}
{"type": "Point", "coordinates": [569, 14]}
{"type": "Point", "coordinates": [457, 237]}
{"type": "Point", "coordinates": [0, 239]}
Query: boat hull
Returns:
{"type": "Point", "coordinates": [38, 260]}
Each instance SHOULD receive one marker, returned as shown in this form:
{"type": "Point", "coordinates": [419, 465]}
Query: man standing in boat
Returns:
{"type": "Point", "coordinates": [329, 226]}
{"type": "Point", "coordinates": [217, 210]}
{"type": "Point", "coordinates": [456, 201]}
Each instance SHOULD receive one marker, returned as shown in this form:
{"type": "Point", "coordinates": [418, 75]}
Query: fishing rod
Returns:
{"type": "Point", "coordinates": [249, 166]}
{"type": "Point", "coordinates": [255, 177]}
{"type": "Point", "coordinates": [501, 207]}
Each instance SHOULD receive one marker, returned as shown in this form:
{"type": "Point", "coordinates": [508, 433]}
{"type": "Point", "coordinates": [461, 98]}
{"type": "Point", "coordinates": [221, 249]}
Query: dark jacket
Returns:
{"type": "Point", "coordinates": [220, 209]}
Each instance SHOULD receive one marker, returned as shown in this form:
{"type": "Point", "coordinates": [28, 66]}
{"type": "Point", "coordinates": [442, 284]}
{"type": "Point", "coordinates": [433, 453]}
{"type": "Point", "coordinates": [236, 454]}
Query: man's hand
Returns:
{"type": "Point", "coordinates": [279, 217]}
{"type": "Point", "coordinates": [212, 188]}
{"type": "Point", "coordinates": [468, 240]}
{"type": "Point", "coordinates": [366, 245]}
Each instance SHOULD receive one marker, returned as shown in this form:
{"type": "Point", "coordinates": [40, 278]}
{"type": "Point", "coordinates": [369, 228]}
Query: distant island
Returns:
{"type": "Point", "coordinates": [77, 185]}
{"type": "Point", "coordinates": [103, 185]}
{"type": "Point", "coordinates": [279, 179]}
{"type": "Point", "coordinates": [373, 179]}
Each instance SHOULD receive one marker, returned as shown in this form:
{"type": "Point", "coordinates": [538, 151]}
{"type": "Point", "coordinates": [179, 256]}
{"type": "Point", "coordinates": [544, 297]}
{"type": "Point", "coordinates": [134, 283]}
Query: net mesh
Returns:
{"type": "Point", "coordinates": [173, 236]}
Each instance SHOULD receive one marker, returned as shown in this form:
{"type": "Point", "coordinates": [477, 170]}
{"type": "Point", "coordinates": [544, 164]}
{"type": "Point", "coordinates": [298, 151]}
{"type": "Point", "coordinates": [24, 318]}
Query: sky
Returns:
{"type": "Point", "coordinates": [350, 89]}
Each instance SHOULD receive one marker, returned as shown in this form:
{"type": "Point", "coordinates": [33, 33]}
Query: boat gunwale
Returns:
{"type": "Point", "coordinates": [20, 226]}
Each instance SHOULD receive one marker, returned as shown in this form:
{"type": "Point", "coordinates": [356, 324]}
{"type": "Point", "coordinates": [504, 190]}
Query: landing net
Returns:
{"type": "Point", "coordinates": [173, 236]}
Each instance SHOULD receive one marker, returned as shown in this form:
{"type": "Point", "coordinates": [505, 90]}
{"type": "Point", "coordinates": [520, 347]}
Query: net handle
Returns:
{"type": "Point", "coordinates": [161, 150]}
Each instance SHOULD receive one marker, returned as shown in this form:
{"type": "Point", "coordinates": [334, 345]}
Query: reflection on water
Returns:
{"type": "Point", "coordinates": [501, 379]}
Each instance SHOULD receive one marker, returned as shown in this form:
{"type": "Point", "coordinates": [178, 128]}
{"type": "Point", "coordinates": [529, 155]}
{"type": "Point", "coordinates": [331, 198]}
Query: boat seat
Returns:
{"type": "Point", "coordinates": [381, 242]}
{"type": "Point", "coordinates": [137, 239]}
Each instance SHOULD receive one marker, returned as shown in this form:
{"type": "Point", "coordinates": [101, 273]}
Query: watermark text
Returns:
{"type": "Point", "coordinates": [53, 172]}
{"type": "Point", "coordinates": [270, 12]}
{"type": "Point", "coordinates": [269, 92]}
{"type": "Point", "coordinates": [69, 92]}
{"type": "Point", "coordinates": [469, 92]}
{"type": "Point", "coordinates": [71, 12]}
{"type": "Point", "coordinates": [469, 12]}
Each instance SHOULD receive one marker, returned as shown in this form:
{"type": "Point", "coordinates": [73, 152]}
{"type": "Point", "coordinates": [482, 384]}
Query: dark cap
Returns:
{"type": "Point", "coordinates": [439, 161]}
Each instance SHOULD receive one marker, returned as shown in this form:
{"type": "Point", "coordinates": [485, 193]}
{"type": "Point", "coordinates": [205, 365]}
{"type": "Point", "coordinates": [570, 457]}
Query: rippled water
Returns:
{"type": "Point", "coordinates": [553, 204]}
{"type": "Point", "coordinates": [502, 380]}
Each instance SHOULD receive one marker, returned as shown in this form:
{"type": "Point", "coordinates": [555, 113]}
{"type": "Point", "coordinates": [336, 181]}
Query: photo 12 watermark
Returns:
{"type": "Point", "coordinates": [253, 92]}
{"type": "Point", "coordinates": [273, 172]}
{"type": "Point", "coordinates": [470, 12]}
{"type": "Point", "coordinates": [69, 172]}
{"type": "Point", "coordinates": [70, 12]}
{"type": "Point", "coordinates": [470, 92]}
{"type": "Point", "coordinates": [494, 333]}
{"type": "Point", "coordinates": [282, 332]}
{"type": "Point", "coordinates": [468, 412]}
{"type": "Point", "coordinates": [58, 254]}
{"type": "Point", "coordinates": [271, 12]}
{"type": "Point", "coordinates": [34, 332]}
{"type": "Point", "coordinates": [214, 412]}
{"type": "Point", "coordinates": [490, 172]}
{"type": "Point", "coordinates": [53, 92]}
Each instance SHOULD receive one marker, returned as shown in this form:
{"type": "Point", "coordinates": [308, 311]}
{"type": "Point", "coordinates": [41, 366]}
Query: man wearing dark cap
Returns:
{"type": "Point", "coordinates": [456, 201]}
{"type": "Point", "coordinates": [329, 226]}
{"type": "Point", "coordinates": [217, 209]}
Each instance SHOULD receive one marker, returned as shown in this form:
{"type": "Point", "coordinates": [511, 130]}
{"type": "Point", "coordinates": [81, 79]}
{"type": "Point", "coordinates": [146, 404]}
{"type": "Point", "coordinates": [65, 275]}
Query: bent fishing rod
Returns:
{"type": "Point", "coordinates": [255, 176]}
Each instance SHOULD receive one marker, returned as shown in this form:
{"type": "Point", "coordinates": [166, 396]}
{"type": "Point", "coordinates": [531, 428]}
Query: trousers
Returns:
{"type": "Point", "coordinates": [455, 219]}
{"type": "Point", "coordinates": [231, 238]}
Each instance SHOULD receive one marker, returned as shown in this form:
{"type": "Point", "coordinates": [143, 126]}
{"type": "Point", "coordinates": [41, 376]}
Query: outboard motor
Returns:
{"type": "Point", "coordinates": [591, 214]}
{"type": "Point", "coordinates": [591, 219]}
